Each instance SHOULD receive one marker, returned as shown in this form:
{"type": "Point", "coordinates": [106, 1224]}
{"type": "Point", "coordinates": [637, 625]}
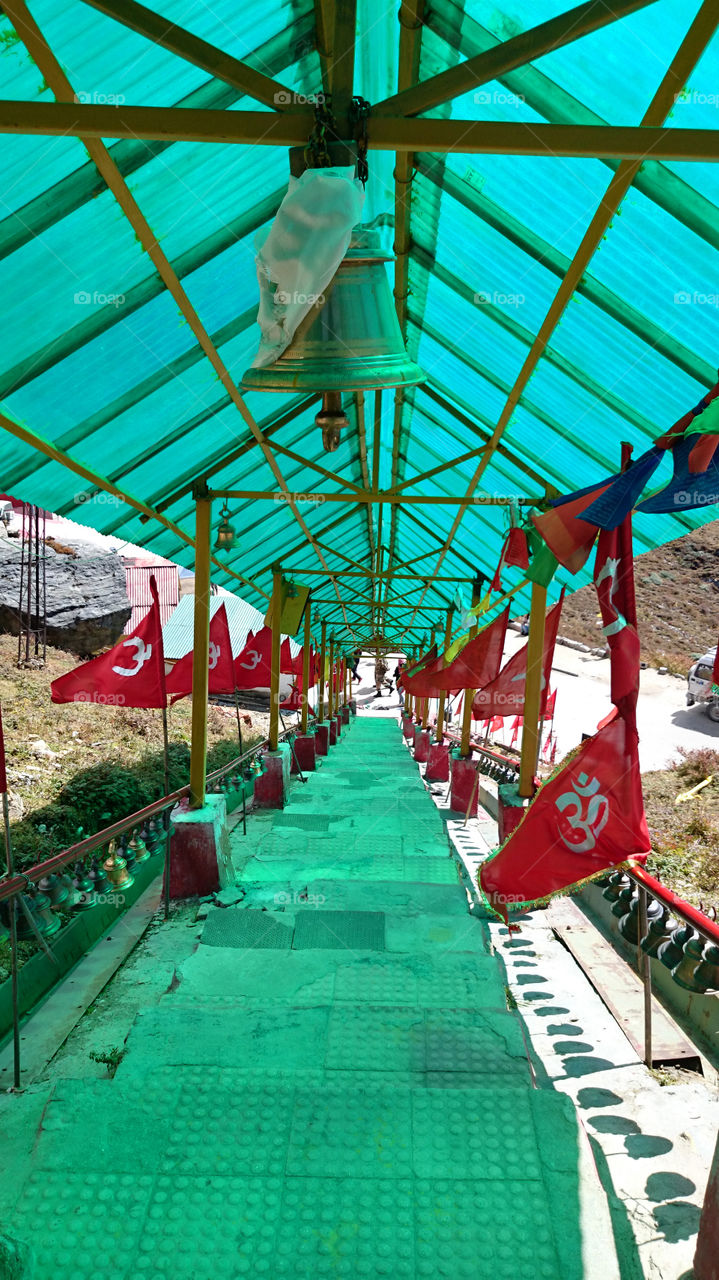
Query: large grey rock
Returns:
{"type": "Point", "coordinates": [87, 603]}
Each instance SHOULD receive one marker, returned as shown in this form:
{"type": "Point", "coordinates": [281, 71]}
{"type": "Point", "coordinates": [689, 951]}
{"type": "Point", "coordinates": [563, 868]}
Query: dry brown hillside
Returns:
{"type": "Point", "coordinates": [677, 589]}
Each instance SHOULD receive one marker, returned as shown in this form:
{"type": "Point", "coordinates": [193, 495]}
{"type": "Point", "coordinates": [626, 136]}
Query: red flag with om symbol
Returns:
{"type": "Point", "coordinates": [220, 677]}
{"type": "Point", "coordinates": [131, 674]}
{"type": "Point", "coordinates": [586, 819]}
{"type": "Point", "coordinates": [253, 666]}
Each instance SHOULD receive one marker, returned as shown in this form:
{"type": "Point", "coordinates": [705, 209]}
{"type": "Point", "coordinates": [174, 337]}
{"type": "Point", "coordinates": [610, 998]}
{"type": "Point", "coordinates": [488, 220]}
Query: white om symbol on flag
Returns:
{"type": "Point", "coordinates": [214, 655]}
{"type": "Point", "coordinates": [143, 653]}
{"type": "Point", "coordinates": [583, 814]}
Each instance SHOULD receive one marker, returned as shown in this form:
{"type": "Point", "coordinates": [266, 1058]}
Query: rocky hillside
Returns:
{"type": "Point", "coordinates": [677, 588]}
{"type": "Point", "coordinates": [87, 604]}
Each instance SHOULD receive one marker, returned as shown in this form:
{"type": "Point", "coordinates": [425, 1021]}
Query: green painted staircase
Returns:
{"type": "Point", "coordinates": [334, 1087]}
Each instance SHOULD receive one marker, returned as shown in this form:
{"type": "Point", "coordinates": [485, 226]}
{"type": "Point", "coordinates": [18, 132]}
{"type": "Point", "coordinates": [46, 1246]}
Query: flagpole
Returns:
{"type": "Point", "coordinates": [321, 689]}
{"type": "Point", "coordinates": [465, 750]}
{"type": "Point", "coordinates": [439, 736]}
{"type": "Point", "coordinates": [239, 734]}
{"type": "Point", "coordinates": [201, 649]}
{"type": "Point", "coordinates": [12, 911]}
{"type": "Point", "coordinates": [533, 691]}
{"type": "Point", "coordinates": [305, 670]}
{"type": "Point", "coordinates": [276, 615]}
{"type": "Point", "coordinates": [166, 748]}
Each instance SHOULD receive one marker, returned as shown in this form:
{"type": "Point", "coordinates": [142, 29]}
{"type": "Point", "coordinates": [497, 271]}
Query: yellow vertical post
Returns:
{"type": "Point", "coordinates": [305, 671]}
{"type": "Point", "coordinates": [465, 749]}
{"type": "Point", "coordinates": [345, 672]}
{"type": "Point", "coordinates": [443, 695]}
{"type": "Point", "coordinates": [425, 720]}
{"type": "Point", "coordinates": [330, 688]}
{"type": "Point", "coordinates": [201, 650]}
{"type": "Point", "coordinates": [533, 691]}
{"type": "Point", "coordinates": [275, 657]}
{"type": "Point", "coordinates": [321, 691]}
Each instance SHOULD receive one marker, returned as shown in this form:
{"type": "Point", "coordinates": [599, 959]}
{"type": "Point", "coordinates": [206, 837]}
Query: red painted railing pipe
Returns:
{"type": "Point", "coordinates": [101, 838]}
{"type": "Point", "coordinates": [692, 915]}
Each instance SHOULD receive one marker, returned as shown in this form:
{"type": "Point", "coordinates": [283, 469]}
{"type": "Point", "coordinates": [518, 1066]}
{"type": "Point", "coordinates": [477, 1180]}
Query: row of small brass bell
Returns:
{"type": "Point", "coordinates": [629, 923]}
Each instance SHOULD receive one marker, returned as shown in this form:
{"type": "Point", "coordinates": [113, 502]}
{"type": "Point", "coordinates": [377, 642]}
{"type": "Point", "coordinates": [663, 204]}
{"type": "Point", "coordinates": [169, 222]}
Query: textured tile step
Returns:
{"type": "Point", "coordinates": [343, 1038]}
{"type": "Point", "coordinates": [271, 1177]}
{"type": "Point", "coordinates": [325, 866]}
{"type": "Point", "coordinates": [323, 977]}
{"type": "Point", "coordinates": [382, 895]}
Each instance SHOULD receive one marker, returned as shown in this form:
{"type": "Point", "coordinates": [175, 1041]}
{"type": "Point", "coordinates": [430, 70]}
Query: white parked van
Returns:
{"type": "Point", "coordinates": [699, 685]}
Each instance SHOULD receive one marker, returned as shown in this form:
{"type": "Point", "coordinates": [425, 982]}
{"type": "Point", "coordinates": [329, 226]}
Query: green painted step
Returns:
{"type": "Point", "coordinates": [322, 977]}
{"type": "Point", "coordinates": [342, 1038]}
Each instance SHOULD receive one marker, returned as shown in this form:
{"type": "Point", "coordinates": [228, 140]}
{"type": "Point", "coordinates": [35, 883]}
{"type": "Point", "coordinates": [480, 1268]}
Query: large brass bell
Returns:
{"type": "Point", "coordinates": [629, 924]}
{"type": "Point", "coordinates": [623, 904]}
{"type": "Point", "coordinates": [706, 974]}
{"type": "Point", "coordinates": [350, 339]}
{"type": "Point", "coordinates": [115, 869]}
{"type": "Point", "coordinates": [684, 973]}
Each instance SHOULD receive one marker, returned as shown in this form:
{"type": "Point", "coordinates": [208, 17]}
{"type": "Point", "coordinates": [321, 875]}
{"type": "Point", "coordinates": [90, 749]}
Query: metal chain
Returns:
{"type": "Point", "coordinates": [317, 155]}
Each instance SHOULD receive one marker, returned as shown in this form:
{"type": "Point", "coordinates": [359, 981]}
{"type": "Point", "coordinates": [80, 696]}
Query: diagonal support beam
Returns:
{"type": "Point", "coordinates": [526, 47]}
{"type": "Point", "coordinates": [199, 52]}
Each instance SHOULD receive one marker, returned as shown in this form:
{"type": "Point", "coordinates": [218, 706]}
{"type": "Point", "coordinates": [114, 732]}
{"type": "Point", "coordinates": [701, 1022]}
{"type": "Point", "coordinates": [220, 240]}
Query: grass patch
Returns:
{"type": "Point", "coordinates": [685, 837]}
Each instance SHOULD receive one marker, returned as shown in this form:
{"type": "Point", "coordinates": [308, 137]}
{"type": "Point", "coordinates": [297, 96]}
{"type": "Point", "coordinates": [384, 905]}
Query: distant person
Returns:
{"type": "Point", "coordinates": [380, 675]}
{"type": "Point", "coordinates": [354, 664]}
{"type": "Point", "coordinates": [398, 673]}
{"type": "Point", "coordinates": [524, 625]}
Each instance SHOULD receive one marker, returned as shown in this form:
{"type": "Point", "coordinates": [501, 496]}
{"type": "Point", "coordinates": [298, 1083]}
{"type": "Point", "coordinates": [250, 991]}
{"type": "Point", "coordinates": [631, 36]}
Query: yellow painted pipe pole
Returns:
{"type": "Point", "coordinates": [443, 695]}
{"type": "Point", "coordinates": [464, 749]}
{"type": "Point", "coordinates": [425, 721]}
{"type": "Point", "coordinates": [201, 653]}
{"type": "Point", "coordinates": [330, 689]}
{"type": "Point", "coordinates": [323, 657]}
{"type": "Point", "coordinates": [275, 657]}
{"type": "Point", "coordinates": [532, 691]}
{"type": "Point", "coordinates": [305, 671]}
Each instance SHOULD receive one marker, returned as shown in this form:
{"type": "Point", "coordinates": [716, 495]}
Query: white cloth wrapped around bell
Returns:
{"type": "Point", "coordinates": [300, 253]}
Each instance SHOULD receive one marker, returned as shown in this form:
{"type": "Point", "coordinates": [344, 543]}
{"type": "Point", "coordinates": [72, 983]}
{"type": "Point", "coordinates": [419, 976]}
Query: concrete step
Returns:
{"type": "Point", "coordinates": [210, 1172]}
{"type": "Point", "coordinates": [366, 1037]}
{"type": "Point", "coordinates": [347, 977]}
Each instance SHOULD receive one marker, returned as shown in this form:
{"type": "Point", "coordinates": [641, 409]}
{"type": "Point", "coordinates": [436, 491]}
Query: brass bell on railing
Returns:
{"type": "Point", "coordinates": [617, 882]}
{"type": "Point", "coordinates": [99, 879]}
{"type": "Point", "coordinates": [684, 973]}
{"type": "Point", "coordinates": [84, 896]}
{"type": "Point", "coordinates": [55, 887]}
{"type": "Point", "coordinates": [47, 920]}
{"type": "Point", "coordinates": [138, 846]}
{"type": "Point", "coordinates": [115, 869]}
{"type": "Point", "coordinates": [706, 974]}
{"type": "Point", "coordinates": [629, 924]}
{"type": "Point", "coordinates": [622, 905]}
{"type": "Point", "coordinates": [670, 952]}
{"type": "Point", "coordinates": [658, 932]}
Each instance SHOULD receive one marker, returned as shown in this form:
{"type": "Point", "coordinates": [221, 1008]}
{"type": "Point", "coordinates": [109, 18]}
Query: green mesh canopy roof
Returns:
{"type": "Point", "coordinates": [98, 360]}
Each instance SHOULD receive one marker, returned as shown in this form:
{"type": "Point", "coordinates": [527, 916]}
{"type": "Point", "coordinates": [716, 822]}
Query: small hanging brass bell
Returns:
{"type": "Point", "coordinates": [684, 973]}
{"type": "Point", "coordinates": [658, 932]}
{"type": "Point", "coordinates": [617, 882]}
{"type": "Point", "coordinates": [84, 897]}
{"type": "Point", "coordinates": [670, 952]}
{"type": "Point", "coordinates": [47, 921]}
{"type": "Point", "coordinates": [115, 869]}
{"type": "Point", "coordinates": [706, 974]}
{"type": "Point", "coordinates": [138, 846]}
